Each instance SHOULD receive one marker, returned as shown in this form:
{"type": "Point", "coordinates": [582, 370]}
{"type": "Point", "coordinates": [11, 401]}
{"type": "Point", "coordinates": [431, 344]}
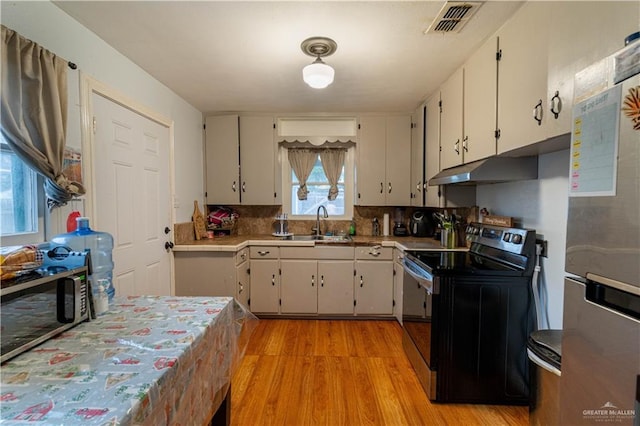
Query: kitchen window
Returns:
{"type": "Point", "coordinates": [318, 190]}
{"type": "Point", "coordinates": [21, 200]}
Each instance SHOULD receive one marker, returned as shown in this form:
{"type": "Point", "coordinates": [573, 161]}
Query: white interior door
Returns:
{"type": "Point", "coordinates": [132, 199]}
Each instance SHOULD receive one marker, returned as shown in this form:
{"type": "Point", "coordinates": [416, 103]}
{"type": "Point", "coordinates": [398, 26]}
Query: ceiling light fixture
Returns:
{"type": "Point", "coordinates": [318, 74]}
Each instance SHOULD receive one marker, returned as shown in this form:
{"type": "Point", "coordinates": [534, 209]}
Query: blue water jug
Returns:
{"type": "Point", "coordinates": [100, 245]}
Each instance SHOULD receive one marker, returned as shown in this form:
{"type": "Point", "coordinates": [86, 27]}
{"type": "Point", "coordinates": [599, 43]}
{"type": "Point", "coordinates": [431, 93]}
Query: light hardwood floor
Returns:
{"type": "Point", "coordinates": [330, 372]}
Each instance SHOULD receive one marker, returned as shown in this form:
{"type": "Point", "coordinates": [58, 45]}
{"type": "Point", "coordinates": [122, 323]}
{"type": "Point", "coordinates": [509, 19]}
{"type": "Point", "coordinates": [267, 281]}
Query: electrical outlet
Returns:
{"type": "Point", "coordinates": [543, 244]}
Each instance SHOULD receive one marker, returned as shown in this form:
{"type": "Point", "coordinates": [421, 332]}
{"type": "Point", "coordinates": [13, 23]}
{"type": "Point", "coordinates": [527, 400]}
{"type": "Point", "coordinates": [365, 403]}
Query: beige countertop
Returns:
{"type": "Point", "coordinates": [238, 242]}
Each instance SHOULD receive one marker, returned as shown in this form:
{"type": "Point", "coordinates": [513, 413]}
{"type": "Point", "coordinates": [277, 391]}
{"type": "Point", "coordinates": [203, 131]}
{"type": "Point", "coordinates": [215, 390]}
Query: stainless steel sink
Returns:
{"type": "Point", "coordinates": [321, 238]}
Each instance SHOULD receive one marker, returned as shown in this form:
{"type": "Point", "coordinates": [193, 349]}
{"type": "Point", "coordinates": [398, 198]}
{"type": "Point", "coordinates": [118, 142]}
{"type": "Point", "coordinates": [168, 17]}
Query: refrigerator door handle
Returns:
{"type": "Point", "coordinates": [613, 299]}
{"type": "Point", "coordinates": [613, 283]}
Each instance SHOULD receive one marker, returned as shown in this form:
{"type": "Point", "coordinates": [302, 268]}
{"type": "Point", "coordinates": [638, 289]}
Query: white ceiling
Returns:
{"type": "Point", "coordinates": [246, 56]}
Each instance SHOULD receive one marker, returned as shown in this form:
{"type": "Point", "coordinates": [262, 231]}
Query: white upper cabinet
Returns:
{"type": "Point", "coordinates": [398, 153]}
{"type": "Point", "coordinates": [241, 160]}
{"type": "Point", "coordinates": [417, 157]}
{"type": "Point", "coordinates": [222, 160]}
{"type": "Point", "coordinates": [522, 77]}
{"type": "Point", "coordinates": [258, 161]}
{"type": "Point", "coordinates": [384, 150]}
{"type": "Point", "coordinates": [480, 97]}
{"type": "Point", "coordinates": [432, 150]}
{"type": "Point", "coordinates": [543, 46]}
{"type": "Point", "coordinates": [451, 96]}
{"type": "Point", "coordinates": [579, 35]}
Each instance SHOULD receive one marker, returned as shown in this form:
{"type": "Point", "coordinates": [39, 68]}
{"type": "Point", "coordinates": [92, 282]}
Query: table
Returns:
{"type": "Point", "coordinates": [156, 360]}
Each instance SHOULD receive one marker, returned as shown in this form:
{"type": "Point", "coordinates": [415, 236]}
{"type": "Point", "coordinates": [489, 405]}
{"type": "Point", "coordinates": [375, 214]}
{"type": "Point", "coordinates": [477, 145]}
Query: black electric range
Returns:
{"type": "Point", "coordinates": [467, 316]}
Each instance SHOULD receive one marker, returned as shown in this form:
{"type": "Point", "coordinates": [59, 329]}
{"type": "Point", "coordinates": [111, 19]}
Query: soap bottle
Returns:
{"type": "Point", "coordinates": [375, 227]}
{"type": "Point", "coordinates": [352, 227]}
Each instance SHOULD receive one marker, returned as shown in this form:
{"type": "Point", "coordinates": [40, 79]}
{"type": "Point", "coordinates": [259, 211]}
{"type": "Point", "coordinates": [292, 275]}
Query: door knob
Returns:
{"type": "Point", "coordinates": [167, 230]}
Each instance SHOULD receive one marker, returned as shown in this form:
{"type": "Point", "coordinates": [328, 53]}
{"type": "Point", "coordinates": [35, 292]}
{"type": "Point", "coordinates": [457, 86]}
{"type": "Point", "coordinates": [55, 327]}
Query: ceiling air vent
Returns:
{"type": "Point", "coordinates": [453, 16]}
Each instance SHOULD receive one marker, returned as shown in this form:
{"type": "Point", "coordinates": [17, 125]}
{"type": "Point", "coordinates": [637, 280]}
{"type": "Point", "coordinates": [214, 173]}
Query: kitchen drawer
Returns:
{"type": "Point", "coordinates": [264, 252]}
{"type": "Point", "coordinates": [374, 253]}
{"type": "Point", "coordinates": [317, 253]}
{"type": "Point", "coordinates": [242, 255]}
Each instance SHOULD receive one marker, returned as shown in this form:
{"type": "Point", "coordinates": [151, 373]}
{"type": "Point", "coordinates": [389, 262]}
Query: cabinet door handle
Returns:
{"type": "Point", "coordinates": [241, 287]}
{"type": "Point", "coordinates": [456, 147]}
{"type": "Point", "coordinates": [273, 280]}
{"type": "Point", "coordinates": [321, 280]}
{"type": "Point", "coordinates": [263, 252]}
{"type": "Point", "coordinates": [418, 186]}
{"type": "Point", "coordinates": [537, 112]}
{"type": "Point", "coordinates": [313, 280]}
{"type": "Point", "coordinates": [381, 187]}
{"type": "Point", "coordinates": [233, 186]}
{"type": "Point", "coordinates": [244, 184]}
{"type": "Point", "coordinates": [465, 144]}
{"type": "Point", "coordinates": [361, 283]}
{"type": "Point", "coordinates": [556, 105]}
{"type": "Point", "coordinates": [243, 256]}
{"type": "Point", "coordinates": [390, 188]}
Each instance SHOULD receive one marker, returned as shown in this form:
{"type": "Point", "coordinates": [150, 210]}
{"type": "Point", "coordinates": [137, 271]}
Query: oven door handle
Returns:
{"type": "Point", "coordinates": [421, 280]}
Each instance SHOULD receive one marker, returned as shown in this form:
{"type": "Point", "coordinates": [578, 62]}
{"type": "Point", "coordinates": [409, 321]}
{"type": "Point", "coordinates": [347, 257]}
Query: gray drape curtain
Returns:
{"type": "Point", "coordinates": [34, 112]}
{"type": "Point", "coordinates": [332, 163]}
{"type": "Point", "coordinates": [302, 161]}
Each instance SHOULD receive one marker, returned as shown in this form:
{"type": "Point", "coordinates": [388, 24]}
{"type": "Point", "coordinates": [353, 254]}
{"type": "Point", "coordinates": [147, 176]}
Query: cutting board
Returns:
{"type": "Point", "coordinates": [198, 222]}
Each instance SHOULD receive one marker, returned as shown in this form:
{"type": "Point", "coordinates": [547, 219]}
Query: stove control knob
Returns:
{"type": "Point", "coordinates": [516, 239]}
{"type": "Point", "coordinates": [506, 237]}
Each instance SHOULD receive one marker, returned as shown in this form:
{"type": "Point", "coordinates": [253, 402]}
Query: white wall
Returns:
{"type": "Point", "coordinates": [46, 24]}
{"type": "Point", "coordinates": [541, 205]}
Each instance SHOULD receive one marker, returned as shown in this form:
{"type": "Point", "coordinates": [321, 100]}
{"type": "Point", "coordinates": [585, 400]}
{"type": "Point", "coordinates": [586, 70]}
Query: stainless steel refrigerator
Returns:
{"type": "Point", "coordinates": [601, 318]}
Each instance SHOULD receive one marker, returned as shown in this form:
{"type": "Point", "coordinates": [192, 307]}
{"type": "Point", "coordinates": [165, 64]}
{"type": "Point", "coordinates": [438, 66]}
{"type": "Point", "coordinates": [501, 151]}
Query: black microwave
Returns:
{"type": "Point", "coordinates": [38, 309]}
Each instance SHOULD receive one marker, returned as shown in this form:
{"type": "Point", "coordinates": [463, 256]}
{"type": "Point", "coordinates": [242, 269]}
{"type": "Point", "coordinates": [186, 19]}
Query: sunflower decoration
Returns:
{"type": "Point", "coordinates": [631, 106]}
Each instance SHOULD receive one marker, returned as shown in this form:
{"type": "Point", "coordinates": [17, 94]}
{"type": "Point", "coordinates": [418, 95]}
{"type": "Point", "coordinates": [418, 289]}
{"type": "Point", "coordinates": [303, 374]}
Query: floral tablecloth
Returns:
{"type": "Point", "coordinates": [154, 360]}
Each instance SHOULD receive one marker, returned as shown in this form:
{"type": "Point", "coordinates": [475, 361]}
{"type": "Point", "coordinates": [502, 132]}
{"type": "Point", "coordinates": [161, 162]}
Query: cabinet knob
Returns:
{"type": "Point", "coordinates": [456, 147]}
{"type": "Point", "coordinates": [313, 280]}
{"type": "Point", "coordinates": [465, 144]}
{"type": "Point", "coordinates": [381, 187]}
{"type": "Point", "coordinates": [321, 280]}
{"type": "Point", "coordinates": [390, 188]}
{"type": "Point", "coordinates": [233, 186]}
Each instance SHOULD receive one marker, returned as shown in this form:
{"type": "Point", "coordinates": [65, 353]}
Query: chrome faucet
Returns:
{"type": "Point", "coordinates": [326, 215]}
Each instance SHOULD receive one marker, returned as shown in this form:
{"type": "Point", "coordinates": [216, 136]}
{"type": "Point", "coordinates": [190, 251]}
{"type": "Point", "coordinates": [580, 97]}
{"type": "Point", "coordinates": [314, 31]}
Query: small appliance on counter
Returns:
{"type": "Point", "coordinates": [420, 225]}
{"type": "Point", "coordinates": [35, 310]}
{"type": "Point", "coordinates": [399, 227]}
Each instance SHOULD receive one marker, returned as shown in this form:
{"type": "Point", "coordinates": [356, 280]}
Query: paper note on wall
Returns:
{"type": "Point", "coordinates": [594, 145]}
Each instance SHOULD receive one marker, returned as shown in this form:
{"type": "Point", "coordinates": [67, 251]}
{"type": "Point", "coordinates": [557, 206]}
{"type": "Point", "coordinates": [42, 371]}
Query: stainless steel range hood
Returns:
{"type": "Point", "coordinates": [489, 170]}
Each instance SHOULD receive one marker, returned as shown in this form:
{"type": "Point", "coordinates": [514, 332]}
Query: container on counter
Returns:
{"type": "Point", "coordinates": [100, 245]}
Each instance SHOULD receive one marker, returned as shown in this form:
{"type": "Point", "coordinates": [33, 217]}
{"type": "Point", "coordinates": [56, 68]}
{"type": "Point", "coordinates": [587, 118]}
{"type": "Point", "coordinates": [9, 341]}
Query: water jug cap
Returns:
{"type": "Point", "coordinates": [83, 222]}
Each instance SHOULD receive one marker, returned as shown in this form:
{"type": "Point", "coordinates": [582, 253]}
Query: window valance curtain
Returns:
{"type": "Point", "coordinates": [302, 161]}
{"type": "Point", "coordinates": [34, 112]}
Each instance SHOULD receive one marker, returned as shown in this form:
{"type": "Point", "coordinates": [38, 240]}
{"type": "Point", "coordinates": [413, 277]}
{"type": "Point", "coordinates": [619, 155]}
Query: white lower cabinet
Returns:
{"type": "Point", "coordinates": [210, 274]}
{"type": "Point", "coordinates": [335, 294]}
{"type": "Point", "coordinates": [265, 286]}
{"type": "Point", "coordinates": [299, 286]}
{"type": "Point", "coordinates": [243, 291]}
{"type": "Point", "coordinates": [374, 281]}
{"type": "Point", "coordinates": [316, 280]}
